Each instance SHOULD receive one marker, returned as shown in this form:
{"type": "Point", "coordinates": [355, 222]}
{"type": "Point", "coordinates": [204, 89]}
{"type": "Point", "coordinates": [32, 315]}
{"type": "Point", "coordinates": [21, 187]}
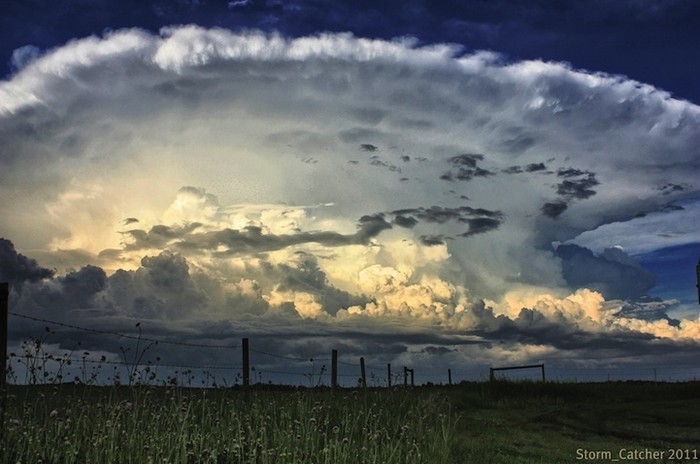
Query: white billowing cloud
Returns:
{"type": "Point", "coordinates": [305, 304]}
{"type": "Point", "coordinates": [580, 306]}
{"type": "Point", "coordinates": [192, 205]}
{"type": "Point", "coordinates": [78, 211]}
{"type": "Point", "coordinates": [300, 154]}
{"type": "Point", "coordinates": [687, 329]}
{"type": "Point", "coordinates": [396, 293]}
{"type": "Point", "coordinates": [589, 310]}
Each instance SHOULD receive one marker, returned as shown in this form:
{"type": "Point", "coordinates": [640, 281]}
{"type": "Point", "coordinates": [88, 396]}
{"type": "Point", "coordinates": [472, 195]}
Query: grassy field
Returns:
{"type": "Point", "coordinates": [500, 422]}
{"type": "Point", "coordinates": [569, 423]}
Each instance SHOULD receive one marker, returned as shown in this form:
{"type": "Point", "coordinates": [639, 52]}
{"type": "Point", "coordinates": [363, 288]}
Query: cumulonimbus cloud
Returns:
{"type": "Point", "coordinates": [446, 179]}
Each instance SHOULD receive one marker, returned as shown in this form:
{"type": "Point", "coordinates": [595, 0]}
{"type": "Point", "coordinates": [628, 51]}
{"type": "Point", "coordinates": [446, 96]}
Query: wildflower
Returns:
{"type": "Point", "coordinates": [53, 413]}
{"type": "Point", "coordinates": [336, 430]}
{"type": "Point", "coordinates": [128, 405]}
{"type": "Point", "coordinates": [346, 440]}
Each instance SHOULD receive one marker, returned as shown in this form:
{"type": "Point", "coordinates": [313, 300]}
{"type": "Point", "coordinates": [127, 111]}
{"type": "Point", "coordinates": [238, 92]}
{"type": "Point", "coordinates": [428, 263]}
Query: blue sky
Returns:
{"type": "Point", "coordinates": [674, 269]}
{"type": "Point", "coordinates": [446, 183]}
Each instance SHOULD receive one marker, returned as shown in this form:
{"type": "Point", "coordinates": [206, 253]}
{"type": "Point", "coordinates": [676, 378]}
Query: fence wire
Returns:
{"type": "Point", "coordinates": [377, 375]}
{"type": "Point", "coordinates": [122, 335]}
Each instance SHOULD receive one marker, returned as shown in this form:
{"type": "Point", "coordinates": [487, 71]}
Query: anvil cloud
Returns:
{"type": "Point", "coordinates": [331, 184]}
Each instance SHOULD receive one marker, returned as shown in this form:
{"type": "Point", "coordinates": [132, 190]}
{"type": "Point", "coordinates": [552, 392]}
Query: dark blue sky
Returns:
{"type": "Point", "coordinates": [652, 41]}
{"type": "Point", "coordinates": [675, 271]}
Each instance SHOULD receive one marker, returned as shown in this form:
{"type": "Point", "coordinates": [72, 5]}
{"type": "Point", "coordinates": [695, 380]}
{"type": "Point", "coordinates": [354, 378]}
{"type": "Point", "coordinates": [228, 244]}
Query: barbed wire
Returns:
{"type": "Point", "coordinates": [289, 358]}
{"type": "Point", "coordinates": [73, 361]}
{"type": "Point", "coordinates": [553, 371]}
{"type": "Point", "coordinates": [281, 372]}
{"type": "Point", "coordinates": [118, 334]}
{"type": "Point", "coordinates": [375, 369]}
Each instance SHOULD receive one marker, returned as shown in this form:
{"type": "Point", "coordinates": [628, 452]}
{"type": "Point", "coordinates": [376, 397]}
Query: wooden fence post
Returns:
{"type": "Point", "coordinates": [334, 369]}
{"type": "Point", "coordinates": [388, 375]}
{"type": "Point", "coordinates": [491, 376]}
{"type": "Point", "coordinates": [362, 372]}
{"type": "Point", "coordinates": [449, 376]}
{"type": "Point", "coordinates": [412, 384]}
{"type": "Point", "coordinates": [246, 365]}
{"type": "Point", "coordinates": [543, 379]}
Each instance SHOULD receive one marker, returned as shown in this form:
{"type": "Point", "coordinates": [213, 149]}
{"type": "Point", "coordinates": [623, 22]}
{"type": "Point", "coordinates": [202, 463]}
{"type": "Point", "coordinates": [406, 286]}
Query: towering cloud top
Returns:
{"type": "Point", "coordinates": [337, 178]}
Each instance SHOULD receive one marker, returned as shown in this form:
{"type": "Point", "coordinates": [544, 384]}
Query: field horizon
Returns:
{"type": "Point", "coordinates": [470, 422]}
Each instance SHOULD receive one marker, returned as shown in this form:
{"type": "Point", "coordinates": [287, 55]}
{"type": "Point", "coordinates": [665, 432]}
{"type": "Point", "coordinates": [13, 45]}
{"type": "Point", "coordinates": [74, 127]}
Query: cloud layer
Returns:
{"type": "Point", "coordinates": [333, 182]}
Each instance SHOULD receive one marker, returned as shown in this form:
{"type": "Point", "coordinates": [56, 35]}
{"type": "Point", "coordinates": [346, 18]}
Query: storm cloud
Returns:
{"type": "Point", "coordinates": [460, 238]}
{"type": "Point", "coordinates": [612, 273]}
{"type": "Point", "coordinates": [250, 239]}
{"type": "Point", "coordinates": [17, 268]}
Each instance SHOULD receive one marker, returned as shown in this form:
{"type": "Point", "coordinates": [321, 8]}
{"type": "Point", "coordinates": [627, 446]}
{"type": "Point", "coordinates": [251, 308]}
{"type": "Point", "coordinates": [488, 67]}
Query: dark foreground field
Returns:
{"type": "Point", "coordinates": [469, 423]}
{"type": "Point", "coordinates": [569, 423]}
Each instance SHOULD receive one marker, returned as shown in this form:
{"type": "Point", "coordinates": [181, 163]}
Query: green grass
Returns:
{"type": "Point", "coordinates": [476, 423]}
{"type": "Point", "coordinates": [144, 425]}
{"type": "Point", "coordinates": [552, 423]}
